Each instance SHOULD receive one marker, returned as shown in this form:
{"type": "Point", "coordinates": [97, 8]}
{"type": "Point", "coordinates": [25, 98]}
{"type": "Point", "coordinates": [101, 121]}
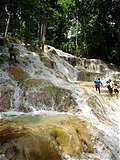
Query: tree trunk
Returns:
{"type": "Point", "coordinates": [42, 32]}
{"type": "Point", "coordinates": [8, 21]}
{"type": "Point", "coordinates": [76, 42]}
{"type": "Point", "coordinates": [6, 30]}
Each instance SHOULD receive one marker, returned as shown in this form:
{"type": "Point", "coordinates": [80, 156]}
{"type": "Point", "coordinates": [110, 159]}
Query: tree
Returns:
{"type": "Point", "coordinates": [84, 27]}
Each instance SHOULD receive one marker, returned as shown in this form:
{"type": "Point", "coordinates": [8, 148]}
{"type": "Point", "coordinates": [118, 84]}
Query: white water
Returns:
{"type": "Point", "coordinates": [104, 119]}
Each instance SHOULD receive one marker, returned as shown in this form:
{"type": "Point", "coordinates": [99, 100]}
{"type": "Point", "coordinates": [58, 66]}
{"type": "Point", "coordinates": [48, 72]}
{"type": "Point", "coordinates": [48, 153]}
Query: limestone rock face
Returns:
{"type": "Point", "coordinates": [84, 75]}
{"type": "Point", "coordinates": [5, 99]}
{"type": "Point", "coordinates": [44, 95]}
{"type": "Point", "coordinates": [43, 137]}
{"type": "Point", "coordinates": [45, 59]}
{"type": "Point", "coordinates": [40, 94]}
{"type": "Point", "coordinates": [19, 143]}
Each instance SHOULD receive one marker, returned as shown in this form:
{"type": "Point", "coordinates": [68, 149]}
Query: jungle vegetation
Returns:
{"type": "Point", "coordinates": [86, 28]}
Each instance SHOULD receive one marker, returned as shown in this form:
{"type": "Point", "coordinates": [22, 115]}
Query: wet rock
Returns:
{"type": "Point", "coordinates": [19, 143]}
{"type": "Point", "coordinates": [4, 78]}
{"type": "Point", "coordinates": [84, 75]}
{"type": "Point", "coordinates": [47, 61]}
{"type": "Point", "coordinates": [44, 95]}
{"type": "Point", "coordinates": [25, 109]}
{"type": "Point", "coordinates": [43, 137]}
{"type": "Point", "coordinates": [18, 74]}
{"type": "Point", "coordinates": [5, 99]}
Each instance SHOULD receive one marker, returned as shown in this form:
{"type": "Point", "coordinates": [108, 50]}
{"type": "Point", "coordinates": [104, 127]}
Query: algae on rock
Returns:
{"type": "Point", "coordinates": [44, 137]}
{"type": "Point", "coordinates": [18, 74]}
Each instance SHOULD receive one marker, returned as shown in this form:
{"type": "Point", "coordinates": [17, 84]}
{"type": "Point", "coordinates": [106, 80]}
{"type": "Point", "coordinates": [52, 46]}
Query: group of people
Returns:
{"type": "Point", "coordinates": [111, 86]}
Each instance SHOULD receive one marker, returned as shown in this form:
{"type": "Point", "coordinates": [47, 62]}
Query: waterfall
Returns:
{"type": "Point", "coordinates": [51, 86]}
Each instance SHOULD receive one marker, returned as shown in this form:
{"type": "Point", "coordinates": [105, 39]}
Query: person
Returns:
{"type": "Point", "coordinates": [98, 83]}
{"type": "Point", "coordinates": [116, 91]}
{"type": "Point", "coordinates": [110, 87]}
{"type": "Point", "coordinates": [12, 54]}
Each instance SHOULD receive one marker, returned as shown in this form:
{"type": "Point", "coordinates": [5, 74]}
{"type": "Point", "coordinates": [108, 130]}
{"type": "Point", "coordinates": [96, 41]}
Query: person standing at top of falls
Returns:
{"type": "Point", "coordinates": [12, 53]}
{"type": "Point", "coordinates": [98, 84]}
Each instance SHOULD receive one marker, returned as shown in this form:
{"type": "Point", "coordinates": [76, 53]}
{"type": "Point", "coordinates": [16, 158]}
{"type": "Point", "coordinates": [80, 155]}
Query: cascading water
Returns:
{"type": "Point", "coordinates": [34, 91]}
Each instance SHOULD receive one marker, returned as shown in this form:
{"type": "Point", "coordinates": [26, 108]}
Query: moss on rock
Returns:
{"type": "Point", "coordinates": [46, 60]}
{"type": "Point", "coordinates": [18, 74]}
{"type": "Point", "coordinates": [44, 137]}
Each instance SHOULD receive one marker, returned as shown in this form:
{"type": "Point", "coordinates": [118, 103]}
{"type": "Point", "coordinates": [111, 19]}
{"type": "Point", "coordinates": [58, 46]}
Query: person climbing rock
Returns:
{"type": "Point", "coordinates": [110, 87]}
{"type": "Point", "coordinates": [116, 91]}
{"type": "Point", "coordinates": [12, 53]}
{"type": "Point", "coordinates": [98, 83]}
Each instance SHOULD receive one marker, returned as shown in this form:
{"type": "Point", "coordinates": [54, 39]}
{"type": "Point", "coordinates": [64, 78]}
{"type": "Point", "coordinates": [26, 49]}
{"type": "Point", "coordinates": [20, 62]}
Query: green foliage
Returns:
{"type": "Point", "coordinates": [88, 28]}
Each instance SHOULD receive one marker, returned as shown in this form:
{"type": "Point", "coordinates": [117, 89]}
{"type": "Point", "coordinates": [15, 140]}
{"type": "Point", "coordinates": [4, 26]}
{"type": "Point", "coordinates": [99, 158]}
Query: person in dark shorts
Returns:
{"type": "Point", "coordinates": [12, 53]}
{"type": "Point", "coordinates": [110, 87]}
{"type": "Point", "coordinates": [98, 83]}
{"type": "Point", "coordinates": [116, 91]}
